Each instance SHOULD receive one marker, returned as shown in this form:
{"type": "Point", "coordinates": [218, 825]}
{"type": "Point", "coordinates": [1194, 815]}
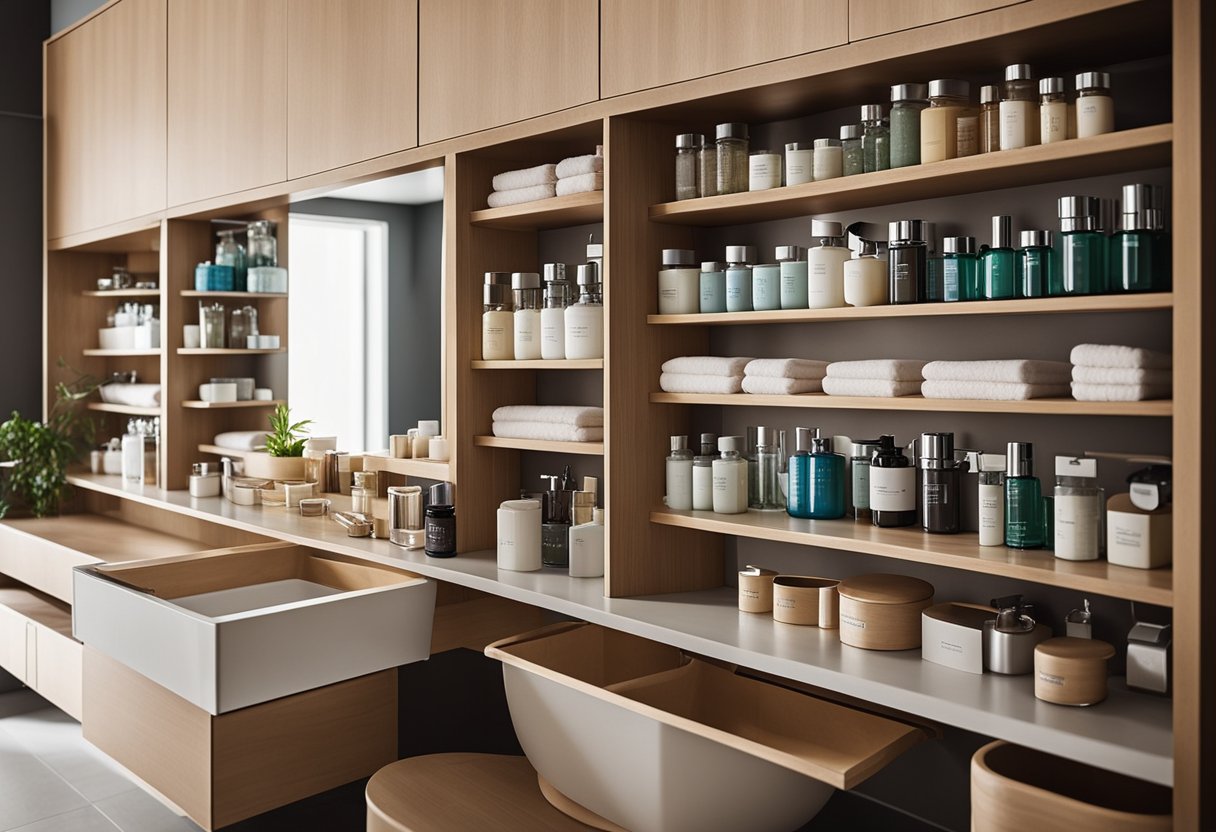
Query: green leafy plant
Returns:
{"type": "Point", "coordinates": [285, 438]}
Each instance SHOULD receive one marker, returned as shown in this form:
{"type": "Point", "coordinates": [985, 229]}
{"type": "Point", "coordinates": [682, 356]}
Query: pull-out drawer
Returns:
{"type": "Point", "coordinates": [236, 627]}
{"type": "Point", "coordinates": [36, 644]}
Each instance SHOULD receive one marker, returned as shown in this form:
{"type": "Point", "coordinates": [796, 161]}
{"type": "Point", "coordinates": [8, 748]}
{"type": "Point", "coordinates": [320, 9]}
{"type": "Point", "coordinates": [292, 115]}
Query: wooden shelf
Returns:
{"type": "Point", "coordinates": [430, 469]}
{"type": "Point", "coordinates": [218, 451]}
{"type": "Point", "coordinates": [555, 212]}
{"type": "Point", "coordinates": [192, 293]}
{"type": "Point", "coordinates": [120, 353]}
{"type": "Point", "coordinates": [1043, 407]}
{"type": "Point", "coordinates": [1125, 150]}
{"type": "Point", "coordinates": [199, 405]}
{"type": "Point", "coordinates": [1028, 306]}
{"type": "Point", "coordinates": [125, 409]}
{"type": "Point", "coordinates": [957, 551]}
{"type": "Point", "coordinates": [122, 293]}
{"type": "Point", "coordinates": [217, 351]}
{"type": "Point", "coordinates": [555, 364]}
{"type": "Point", "coordinates": [588, 448]}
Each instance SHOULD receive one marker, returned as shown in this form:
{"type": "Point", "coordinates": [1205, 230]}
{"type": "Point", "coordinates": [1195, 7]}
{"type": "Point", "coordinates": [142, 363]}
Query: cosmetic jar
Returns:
{"type": "Point", "coordinates": [441, 531]}
{"type": "Point", "coordinates": [202, 482]}
{"type": "Point", "coordinates": [363, 493]}
{"type": "Point", "coordinates": [314, 506]}
{"type": "Point", "coordinates": [439, 449]}
{"type": "Point", "coordinates": [756, 589]}
{"type": "Point", "coordinates": [812, 602]}
{"type": "Point", "coordinates": [1071, 671]}
{"type": "Point", "coordinates": [882, 612]}
{"type": "Point", "coordinates": [519, 546]}
{"type": "Point", "coordinates": [405, 518]}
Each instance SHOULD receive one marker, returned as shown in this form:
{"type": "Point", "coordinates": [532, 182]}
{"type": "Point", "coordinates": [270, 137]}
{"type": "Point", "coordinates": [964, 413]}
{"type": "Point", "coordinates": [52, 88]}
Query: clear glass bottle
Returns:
{"type": "Point", "coordinates": [1019, 108]}
{"type": "Point", "coordinates": [1000, 262]}
{"type": "Point", "coordinates": [1082, 247]}
{"type": "Point", "coordinates": [241, 325]}
{"type": "Point", "coordinates": [527, 296]}
{"type": "Point", "coordinates": [1053, 111]}
{"type": "Point", "coordinates": [703, 474]}
{"type": "Point", "coordinates": [768, 486]}
{"type": "Point", "coordinates": [1036, 264]}
{"type": "Point", "coordinates": [739, 278]}
{"type": "Point", "coordinates": [907, 261]}
{"type": "Point", "coordinates": [211, 319]}
{"type": "Point", "coordinates": [558, 295]}
{"type": "Point", "coordinates": [967, 141]}
{"type": "Point", "coordinates": [732, 157]}
{"type": "Point", "coordinates": [679, 282]}
{"type": "Point", "coordinates": [941, 477]}
{"type": "Point", "coordinates": [892, 486]}
{"type": "Point", "coordinates": [766, 287]}
{"type": "Point", "coordinates": [228, 252]}
{"type": "Point", "coordinates": [1095, 111]}
{"type": "Point", "coordinates": [875, 139]}
{"type": "Point", "coordinates": [1079, 509]}
{"type": "Point", "coordinates": [793, 264]}
{"type": "Point", "coordinates": [679, 475]}
{"type": "Point", "coordinates": [852, 155]}
{"type": "Point", "coordinates": [907, 101]}
{"type": "Point", "coordinates": [826, 262]}
{"type": "Point", "coordinates": [799, 163]}
{"type": "Point", "coordinates": [990, 118]}
{"type": "Point", "coordinates": [730, 477]}
{"type": "Point", "coordinates": [828, 160]}
{"type": "Point", "coordinates": [707, 169]}
{"type": "Point", "coordinates": [763, 170]}
{"type": "Point", "coordinates": [263, 248]}
{"type": "Point", "coordinates": [713, 286]}
{"type": "Point", "coordinates": [948, 101]}
{"type": "Point", "coordinates": [585, 320]}
{"type": "Point", "coordinates": [865, 275]}
{"type": "Point", "coordinates": [497, 318]}
{"type": "Point", "coordinates": [688, 165]}
{"type": "Point", "coordinates": [1133, 249]}
{"type": "Point", "coordinates": [1023, 498]}
{"type": "Point", "coordinates": [859, 479]}
{"type": "Point", "coordinates": [960, 267]}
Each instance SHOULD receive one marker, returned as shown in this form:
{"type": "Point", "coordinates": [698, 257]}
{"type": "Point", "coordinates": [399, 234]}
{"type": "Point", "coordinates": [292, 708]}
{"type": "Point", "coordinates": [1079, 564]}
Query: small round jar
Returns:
{"type": "Point", "coordinates": [829, 159]}
{"type": "Point", "coordinates": [1095, 107]}
{"type": "Point", "coordinates": [811, 602]}
{"type": "Point", "coordinates": [763, 170]}
{"type": "Point", "coordinates": [756, 589]}
{"type": "Point", "coordinates": [799, 163]}
{"type": "Point", "coordinates": [1071, 671]}
{"type": "Point", "coordinates": [882, 612]}
{"type": "Point", "coordinates": [441, 531]}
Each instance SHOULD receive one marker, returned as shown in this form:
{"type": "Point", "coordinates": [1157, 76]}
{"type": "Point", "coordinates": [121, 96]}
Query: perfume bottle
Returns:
{"type": "Point", "coordinates": [1023, 498]}
{"type": "Point", "coordinates": [679, 475]}
{"type": "Point", "coordinates": [703, 474]}
{"type": "Point", "coordinates": [1000, 266]}
{"type": "Point", "coordinates": [730, 477]}
{"type": "Point", "coordinates": [768, 486]}
{"type": "Point", "coordinates": [1079, 504]}
{"type": "Point", "coordinates": [1082, 247]}
{"type": "Point", "coordinates": [825, 269]}
{"type": "Point", "coordinates": [555, 528]}
{"type": "Point", "coordinates": [907, 261]}
{"type": "Point", "coordinates": [941, 484]}
{"type": "Point", "coordinates": [960, 266]}
{"type": "Point", "coordinates": [892, 485]}
{"type": "Point", "coordinates": [1036, 264]}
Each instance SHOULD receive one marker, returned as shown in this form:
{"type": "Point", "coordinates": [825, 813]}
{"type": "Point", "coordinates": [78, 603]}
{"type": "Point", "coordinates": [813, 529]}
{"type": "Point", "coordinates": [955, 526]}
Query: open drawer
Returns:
{"type": "Point", "coordinates": [236, 627]}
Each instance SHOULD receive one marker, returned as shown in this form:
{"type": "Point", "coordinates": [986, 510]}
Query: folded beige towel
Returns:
{"type": "Point", "coordinates": [687, 383]}
{"type": "Point", "coordinates": [501, 199]}
{"type": "Point", "coordinates": [886, 369]}
{"type": "Point", "coordinates": [1121, 375]}
{"type": "Point", "coordinates": [525, 178]}
{"type": "Point", "coordinates": [581, 184]}
{"type": "Point", "coordinates": [1113, 355]}
{"type": "Point", "coordinates": [1024, 371]}
{"type": "Point", "coordinates": [553, 414]}
{"type": "Point", "coordinates": [786, 368]}
{"type": "Point", "coordinates": [706, 365]}
{"type": "Point", "coordinates": [1119, 392]}
{"type": "Point", "coordinates": [548, 431]}
{"type": "Point", "coordinates": [768, 386]}
{"type": "Point", "coordinates": [882, 388]}
{"type": "Point", "coordinates": [1000, 391]}
{"type": "Point", "coordinates": [579, 165]}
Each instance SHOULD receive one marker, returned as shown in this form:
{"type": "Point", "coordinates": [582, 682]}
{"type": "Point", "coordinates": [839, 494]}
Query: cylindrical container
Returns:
{"type": "Point", "coordinates": [948, 100]}
{"type": "Point", "coordinates": [1019, 108]}
{"type": "Point", "coordinates": [263, 247]}
{"type": "Point", "coordinates": [865, 277]}
{"type": "Point", "coordinates": [1139, 251]}
{"type": "Point", "coordinates": [999, 262]}
{"type": "Point", "coordinates": [440, 531]}
{"type": "Point", "coordinates": [1071, 671]}
{"type": "Point", "coordinates": [688, 149]}
{"type": "Point", "coordinates": [853, 158]}
{"type": "Point", "coordinates": [559, 293]}
{"type": "Point", "coordinates": [427, 430]}
{"type": "Point", "coordinates": [967, 141]}
{"type": "Point", "coordinates": [363, 493]}
{"type": "Point", "coordinates": [1079, 509]}
{"type": "Point", "coordinates": [828, 160]}
{"type": "Point", "coordinates": [405, 518]}
{"type": "Point", "coordinates": [519, 535]}
{"type": "Point", "coordinates": [882, 612]}
{"type": "Point", "coordinates": [679, 282]}
{"type": "Point", "coordinates": [793, 266]}
{"type": "Point", "coordinates": [1053, 111]}
{"type": "Point", "coordinates": [811, 602]}
{"type": "Point", "coordinates": [1024, 528]}
{"type": "Point", "coordinates": [859, 485]}
{"type": "Point", "coordinates": [401, 446]}
{"type": "Point", "coordinates": [990, 119]}
{"type": "Point", "coordinates": [739, 278]}
{"type": "Point", "coordinates": [679, 475]}
{"type": "Point", "coordinates": [1095, 107]}
{"type": "Point", "coordinates": [766, 287]}
{"type": "Point", "coordinates": [731, 142]}
{"type": "Point", "coordinates": [1036, 264]}
{"type": "Point", "coordinates": [211, 325]}
{"type": "Point", "coordinates": [204, 484]}
{"type": "Point", "coordinates": [707, 169]}
{"type": "Point", "coordinates": [585, 319]}
{"type": "Point", "coordinates": [907, 261]}
{"type": "Point", "coordinates": [960, 265]}
{"type": "Point", "coordinates": [941, 484]}
{"type": "Point", "coordinates": [440, 450]}
{"type": "Point", "coordinates": [991, 498]}
{"type": "Point", "coordinates": [1082, 247]}
{"type": "Point", "coordinates": [799, 163]}
{"type": "Point", "coordinates": [756, 589]}
{"type": "Point", "coordinates": [763, 170]}
{"type": "Point", "coordinates": [907, 101]}
{"type": "Point", "coordinates": [314, 506]}
{"type": "Point", "coordinates": [825, 266]}
{"type": "Point", "coordinates": [713, 286]}
{"type": "Point", "coordinates": [892, 486]}
{"type": "Point", "coordinates": [525, 287]}
{"type": "Point", "coordinates": [1009, 642]}
{"type": "Point", "coordinates": [497, 318]}
{"type": "Point", "coordinates": [730, 477]}
{"type": "Point", "coordinates": [703, 473]}
{"type": "Point", "coordinates": [875, 139]}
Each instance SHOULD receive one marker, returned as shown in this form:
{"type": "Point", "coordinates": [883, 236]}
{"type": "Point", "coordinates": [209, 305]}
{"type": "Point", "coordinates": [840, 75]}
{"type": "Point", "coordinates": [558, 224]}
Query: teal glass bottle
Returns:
{"type": "Point", "coordinates": [713, 286]}
{"type": "Point", "coordinates": [1036, 264]}
{"type": "Point", "coordinates": [960, 265]}
{"type": "Point", "coordinates": [1024, 526]}
{"type": "Point", "coordinates": [1082, 247]}
{"type": "Point", "coordinates": [999, 263]}
{"type": "Point", "coordinates": [798, 492]}
{"type": "Point", "coordinates": [1133, 249]}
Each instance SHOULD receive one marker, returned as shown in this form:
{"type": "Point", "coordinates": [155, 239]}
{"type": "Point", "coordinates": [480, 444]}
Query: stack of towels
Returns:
{"type": "Point", "coordinates": [1112, 373]}
{"type": "Point", "coordinates": [1005, 380]}
{"type": "Point", "coordinates": [557, 423]}
{"type": "Point", "coordinates": [703, 374]}
{"type": "Point", "coordinates": [581, 174]}
{"type": "Point", "coordinates": [879, 377]}
{"type": "Point", "coordinates": [783, 376]}
{"type": "Point", "coordinates": [575, 175]}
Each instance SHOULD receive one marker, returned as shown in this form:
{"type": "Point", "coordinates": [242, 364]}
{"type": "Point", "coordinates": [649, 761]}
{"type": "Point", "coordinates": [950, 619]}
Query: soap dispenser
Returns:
{"type": "Point", "coordinates": [555, 526]}
{"type": "Point", "coordinates": [816, 478]}
{"type": "Point", "coordinates": [892, 486]}
{"type": "Point", "coordinates": [1010, 639]}
{"type": "Point", "coordinates": [865, 276]}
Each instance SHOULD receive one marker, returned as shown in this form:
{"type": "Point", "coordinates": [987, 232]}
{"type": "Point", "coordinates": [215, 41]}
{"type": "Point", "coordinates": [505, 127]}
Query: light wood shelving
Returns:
{"type": "Point", "coordinates": [555, 212]}
{"type": "Point", "coordinates": [200, 405]}
{"type": "Point", "coordinates": [100, 353]}
{"type": "Point", "coordinates": [218, 351]}
{"type": "Point", "coordinates": [122, 293]}
{"type": "Point", "coordinates": [547, 446]}
{"type": "Point", "coordinates": [218, 451]}
{"type": "Point", "coordinates": [430, 469]}
{"type": "Point", "coordinates": [1041, 407]}
{"type": "Point", "coordinates": [123, 409]}
{"type": "Point", "coordinates": [194, 293]}
{"type": "Point", "coordinates": [553, 364]}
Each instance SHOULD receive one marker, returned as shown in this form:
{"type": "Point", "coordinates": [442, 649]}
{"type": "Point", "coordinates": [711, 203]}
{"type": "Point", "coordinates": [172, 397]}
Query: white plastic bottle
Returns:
{"type": "Point", "coordinates": [679, 282]}
{"type": "Point", "coordinates": [497, 318]}
{"type": "Point", "coordinates": [825, 266]}
{"type": "Point", "coordinates": [585, 320]}
{"type": "Point", "coordinates": [703, 474]}
{"type": "Point", "coordinates": [730, 477]}
{"type": "Point", "coordinates": [587, 547]}
{"type": "Point", "coordinates": [679, 475]}
{"type": "Point", "coordinates": [991, 498]}
{"type": "Point", "coordinates": [553, 316]}
{"type": "Point", "coordinates": [865, 277]}
{"type": "Point", "coordinates": [525, 286]}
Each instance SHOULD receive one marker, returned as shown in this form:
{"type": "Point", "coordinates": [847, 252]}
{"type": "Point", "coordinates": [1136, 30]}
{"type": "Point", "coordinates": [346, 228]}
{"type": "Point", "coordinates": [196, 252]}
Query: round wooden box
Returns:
{"type": "Point", "coordinates": [756, 589]}
{"type": "Point", "coordinates": [808, 601]}
{"type": "Point", "coordinates": [882, 612]}
{"type": "Point", "coordinates": [1071, 671]}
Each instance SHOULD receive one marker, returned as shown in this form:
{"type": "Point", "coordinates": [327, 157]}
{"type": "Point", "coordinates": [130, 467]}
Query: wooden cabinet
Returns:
{"type": "Point", "coordinates": [647, 44]}
{"type": "Point", "coordinates": [869, 18]}
{"type": "Point", "coordinates": [227, 97]}
{"type": "Point", "coordinates": [352, 82]}
{"type": "Point", "coordinates": [105, 119]}
{"type": "Point", "coordinates": [483, 63]}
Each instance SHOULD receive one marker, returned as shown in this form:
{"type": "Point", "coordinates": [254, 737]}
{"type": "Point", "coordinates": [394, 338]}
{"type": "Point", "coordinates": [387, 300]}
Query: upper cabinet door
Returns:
{"type": "Point", "coordinates": [483, 63]}
{"type": "Point", "coordinates": [649, 43]}
{"type": "Point", "coordinates": [352, 81]}
{"type": "Point", "coordinates": [227, 96]}
{"type": "Point", "coordinates": [869, 18]}
{"type": "Point", "coordinates": [105, 119]}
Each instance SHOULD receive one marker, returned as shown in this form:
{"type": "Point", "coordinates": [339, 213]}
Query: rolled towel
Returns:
{"type": "Point", "coordinates": [883, 369]}
{"type": "Point", "coordinates": [501, 199]}
{"type": "Point", "coordinates": [801, 368]}
{"type": "Point", "coordinates": [1023, 371]}
{"type": "Point", "coordinates": [581, 184]}
{"type": "Point", "coordinates": [548, 431]}
{"type": "Point", "coordinates": [1121, 375]}
{"type": "Point", "coordinates": [552, 414]}
{"type": "Point", "coordinates": [1119, 392]}
{"type": "Point", "coordinates": [1113, 355]}
{"type": "Point", "coordinates": [685, 383]}
{"type": "Point", "coordinates": [705, 365]}
{"type": "Point", "coordinates": [525, 178]}
{"type": "Point", "coordinates": [998, 391]}
{"type": "Point", "coordinates": [881, 388]}
{"type": "Point", "coordinates": [579, 165]}
{"type": "Point", "coordinates": [241, 440]}
{"type": "Point", "coordinates": [769, 386]}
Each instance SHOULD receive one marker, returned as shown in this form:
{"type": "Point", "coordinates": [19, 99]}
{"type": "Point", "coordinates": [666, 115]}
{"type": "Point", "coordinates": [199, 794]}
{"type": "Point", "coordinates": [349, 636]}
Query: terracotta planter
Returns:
{"type": "Point", "coordinates": [261, 465]}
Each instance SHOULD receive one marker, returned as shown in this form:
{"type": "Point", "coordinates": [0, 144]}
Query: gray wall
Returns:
{"type": "Point", "coordinates": [66, 12]}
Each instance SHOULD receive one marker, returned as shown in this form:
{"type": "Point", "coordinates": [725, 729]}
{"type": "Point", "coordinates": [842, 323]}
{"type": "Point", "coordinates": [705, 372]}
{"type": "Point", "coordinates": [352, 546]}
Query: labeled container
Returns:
{"type": "Point", "coordinates": [990, 119]}
{"type": "Point", "coordinates": [766, 287]}
{"type": "Point", "coordinates": [1095, 107]}
{"type": "Point", "coordinates": [811, 602]}
{"type": "Point", "coordinates": [1079, 505]}
{"type": "Point", "coordinates": [892, 486]}
{"type": "Point", "coordinates": [1000, 262]}
{"type": "Point", "coordinates": [1019, 108]}
{"type": "Point", "coordinates": [756, 589]}
{"type": "Point", "coordinates": [1082, 247]}
{"type": "Point", "coordinates": [519, 547]}
{"type": "Point", "coordinates": [825, 269]}
{"type": "Point", "coordinates": [1036, 264]}
{"type": "Point", "coordinates": [1053, 111]}
{"type": "Point", "coordinates": [829, 159]}
{"type": "Point", "coordinates": [851, 151]}
{"type": "Point", "coordinates": [528, 299]}
{"type": "Point", "coordinates": [799, 163]}
{"type": "Point", "coordinates": [907, 102]}
{"type": "Point", "coordinates": [1071, 671]}
{"type": "Point", "coordinates": [792, 263]}
{"type": "Point", "coordinates": [952, 635]}
{"type": "Point", "coordinates": [948, 101]}
{"type": "Point", "coordinates": [731, 143]}
{"type": "Point", "coordinates": [558, 295]}
{"type": "Point", "coordinates": [497, 318]}
{"type": "Point", "coordinates": [763, 170]}
{"type": "Point", "coordinates": [713, 286]}
{"type": "Point", "coordinates": [679, 282]}
{"type": "Point", "coordinates": [1139, 538]}
{"type": "Point", "coordinates": [739, 278]}
{"type": "Point", "coordinates": [882, 612]}
{"type": "Point", "coordinates": [960, 269]}
{"type": "Point", "coordinates": [907, 261]}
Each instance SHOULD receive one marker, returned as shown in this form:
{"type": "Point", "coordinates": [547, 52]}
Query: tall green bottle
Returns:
{"type": "Point", "coordinates": [1082, 247]}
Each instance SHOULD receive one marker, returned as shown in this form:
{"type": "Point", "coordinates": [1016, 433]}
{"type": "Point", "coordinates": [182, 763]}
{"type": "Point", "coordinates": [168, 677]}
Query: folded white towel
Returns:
{"type": "Point", "coordinates": [786, 368]}
{"type": "Point", "coordinates": [999, 391]}
{"type": "Point", "coordinates": [769, 386]}
{"type": "Point", "coordinates": [1119, 392]}
{"type": "Point", "coordinates": [1024, 371]}
{"type": "Point", "coordinates": [132, 395]}
{"type": "Point", "coordinates": [525, 178]}
{"type": "Point", "coordinates": [581, 184]}
{"type": "Point", "coordinates": [548, 431]}
{"type": "Point", "coordinates": [1113, 355]}
{"type": "Point", "coordinates": [706, 365]}
{"type": "Point", "coordinates": [501, 199]}
{"type": "Point", "coordinates": [885, 369]}
{"type": "Point", "coordinates": [241, 440]}
{"type": "Point", "coordinates": [1121, 375]}
{"type": "Point", "coordinates": [552, 414]}
{"type": "Point", "coordinates": [579, 165]}
{"type": "Point", "coordinates": [883, 388]}
{"type": "Point", "coordinates": [686, 383]}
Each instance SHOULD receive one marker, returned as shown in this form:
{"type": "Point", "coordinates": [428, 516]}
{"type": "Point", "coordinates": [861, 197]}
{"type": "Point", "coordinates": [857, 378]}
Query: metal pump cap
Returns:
{"type": "Point", "coordinates": [525, 280]}
{"type": "Point", "coordinates": [871, 112]}
{"type": "Point", "coordinates": [864, 447]}
{"type": "Point", "coordinates": [958, 245]}
{"type": "Point", "coordinates": [822, 143]}
{"type": "Point", "coordinates": [803, 437]}
{"type": "Point", "coordinates": [741, 254]}
{"type": "Point", "coordinates": [906, 232]}
{"type": "Point", "coordinates": [850, 131]}
{"type": "Point", "coordinates": [554, 271]}
{"type": "Point", "coordinates": [1002, 231]}
{"type": "Point", "coordinates": [498, 278]}
{"type": "Point", "coordinates": [1019, 459]}
{"type": "Point", "coordinates": [798, 146]}
{"type": "Point", "coordinates": [679, 443]}
{"type": "Point", "coordinates": [1018, 72]}
{"type": "Point", "coordinates": [1048, 86]}
{"type": "Point", "coordinates": [823, 229]}
{"type": "Point", "coordinates": [821, 445]}
{"type": "Point", "coordinates": [709, 441]}
{"type": "Point", "coordinates": [950, 87]}
{"type": "Point", "coordinates": [587, 275]}
{"type": "Point", "coordinates": [787, 253]}
{"type": "Point", "coordinates": [909, 92]}
{"type": "Point", "coordinates": [990, 94]}
{"type": "Point", "coordinates": [1138, 197]}
{"type": "Point", "coordinates": [726, 444]}
{"type": "Point", "coordinates": [713, 266]}
{"type": "Point", "coordinates": [687, 140]}
{"type": "Point", "coordinates": [679, 257]}
{"type": "Point", "coordinates": [731, 130]}
{"type": "Point", "coordinates": [1093, 81]}
{"type": "Point", "coordinates": [766, 436]}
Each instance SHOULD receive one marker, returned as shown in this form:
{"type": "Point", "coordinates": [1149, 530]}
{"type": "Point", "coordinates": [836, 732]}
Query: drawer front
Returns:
{"type": "Point", "coordinates": [13, 643]}
{"type": "Point", "coordinates": [59, 663]}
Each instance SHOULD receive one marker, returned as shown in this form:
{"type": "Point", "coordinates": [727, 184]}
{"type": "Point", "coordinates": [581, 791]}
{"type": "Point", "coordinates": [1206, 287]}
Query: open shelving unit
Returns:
{"type": "Point", "coordinates": [1044, 407]}
{"type": "Point", "coordinates": [555, 212]}
{"type": "Point", "coordinates": [194, 404]}
{"type": "Point", "coordinates": [551, 364]}
{"type": "Point", "coordinates": [542, 445]}
{"type": "Point", "coordinates": [131, 353]}
{"type": "Point", "coordinates": [228, 351]}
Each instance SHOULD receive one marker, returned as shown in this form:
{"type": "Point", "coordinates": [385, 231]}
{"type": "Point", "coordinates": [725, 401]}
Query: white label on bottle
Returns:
{"type": "Point", "coordinates": [679, 484]}
{"type": "Point", "coordinates": [892, 489]}
{"type": "Point", "coordinates": [1095, 115]}
{"type": "Point", "coordinates": [1015, 118]}
{"type": "Point", "coordinates": [1053, 122]}
{"type": "Point", "coordinates": [1078, 526]}
{"type": "Point", "coordinates": [702, 488]}
{"type": "Point", "coordinates": [992, 515]}
{"type": "Point", "coordinates": [764, 172]}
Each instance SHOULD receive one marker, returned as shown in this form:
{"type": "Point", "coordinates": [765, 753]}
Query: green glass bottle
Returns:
{"type": "Point", "coordinates": [960, 264]}
{"type": "Point", "coordinates": [1000, 262]}
{"type": "Point", "coordinates": [875, 139]}
{"type": "Point", "coordinates": [1082, 247]}
{"type": "Point", "coordinates": [1036, 264]}
{"type": "Point", "coordinates": [1023, 499]}
{"type": "Point", "coordinates": [1133, 249]}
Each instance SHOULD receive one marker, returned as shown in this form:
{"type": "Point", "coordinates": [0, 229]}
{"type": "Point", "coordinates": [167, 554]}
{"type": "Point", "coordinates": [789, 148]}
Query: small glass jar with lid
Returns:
{"type": "Point", "coordinates": [948, 102]}
{"type": "Point", "coordinates": [1095, 107]}
{"type": "Point", "coordinates": [851, 153]}
{"type": "Point", "coordinates": [731, 144]}
{"type": "Point", "coordinates": [1019, 108]}
{"type": "Point", "coordinates": [688, 151]}
{"type": "Point", "coordinates": [263, 248]}
{"type": "Point", "coordinates": [829, 159]}
{"type": "Point", "coordinates": [875, 139]}
{"type": "Point", "coordinates": [990, 118]}
{"type": "Point", "coordinates": [1053, 111]}
{"type": "Point", "coordinates": [907, 101]}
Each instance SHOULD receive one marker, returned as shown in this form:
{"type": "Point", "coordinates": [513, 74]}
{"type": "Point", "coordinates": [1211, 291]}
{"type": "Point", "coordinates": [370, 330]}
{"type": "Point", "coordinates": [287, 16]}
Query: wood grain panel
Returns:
{"type": "Point", "coordinates": [869, 18]}
{"type": "Point", "coordinates": [531, 57]}
{"type": "Point", "coordinates": [352, 81]}
{"type": "Point", "coordinates": [647, 44]}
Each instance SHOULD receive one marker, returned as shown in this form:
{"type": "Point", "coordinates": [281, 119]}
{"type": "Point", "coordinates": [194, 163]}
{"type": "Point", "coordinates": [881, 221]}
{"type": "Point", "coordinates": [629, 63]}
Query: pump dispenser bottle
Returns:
{"type": "Point", "coordinates": [730, 477]}
{"type": "Point", "coordinates": [585, 320]}
{"type": "Point", "coordinates": [553, 317]}
{"type": "Point", "coordinates": [557, 512]}
{"type": "Point", "coordinates": [1023, 499]}
{"type": "Point", "coordinates": [865, 276]}
{"type": "Point", "coordinates": [825, 266]}
{"type": "Point", "coordinates": [679, 475]}
{"type": "Point", "coordinates": [703, 474]}
{"type": "Point", "coordinates": [892, 486]}
{"type": "Point", "coordinates": [941, 484]}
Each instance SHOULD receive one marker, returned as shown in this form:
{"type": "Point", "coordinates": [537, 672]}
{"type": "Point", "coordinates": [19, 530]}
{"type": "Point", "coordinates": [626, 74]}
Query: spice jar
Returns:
{"type": "Point", "coordinates": [799, 163]}
{"type": "Point", "coordinates": [939, 123]}
{"type": "Point", "coordinates": [990, 118]}
{"type": "Point", "coordinates": [688, 149]}
{"type": "Point", "coordinates": [732, 157]}
{"type": "Point", "coordinates": [1095, 107]}
{"type": "Point", "coordinates": [875, 139]}
{"type": "Point", "coordinates": [1053, 111]}
{"type": "Point", "coordinates": [907, 101]}
{"type": "Point", "coordinates": [763, 170]}
{"type": "Point", "coordinates": [828, 160]}
{"type": "Point", "coordinates": [1019, 109]}
{"type": "Point", "coordinates": [850, 142]}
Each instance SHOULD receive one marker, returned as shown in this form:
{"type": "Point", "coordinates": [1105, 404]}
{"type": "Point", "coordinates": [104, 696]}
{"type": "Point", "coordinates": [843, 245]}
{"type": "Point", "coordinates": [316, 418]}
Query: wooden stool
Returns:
{"type": "Point", "coordinates": [461, 792]}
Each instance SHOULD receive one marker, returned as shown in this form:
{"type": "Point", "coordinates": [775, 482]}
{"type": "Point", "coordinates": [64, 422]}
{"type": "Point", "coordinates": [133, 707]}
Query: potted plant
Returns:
{"type": "Point", "coordinates": [283, 458]}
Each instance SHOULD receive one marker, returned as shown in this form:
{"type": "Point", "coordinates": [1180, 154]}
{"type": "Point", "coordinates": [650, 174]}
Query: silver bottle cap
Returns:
{"type": "Point", "coordinates": [1138, 197]}
{"type": "Point", "coordinates": [741, 254]}
{"type": "Point", "coordinates": [990, 94]}
{"type": "Point", "coordinates": [909, 92]}
{"type": "Point", "coordinates": [1035, 239]}
{"type": "Point", "coordinates": [731, 130]}
{"type": "Point", "coordinates": [766, 436]}
{"type": "Point", "coordinates": [1093, 81]}
{"type": "Point", "coordinates": [498, 278]}
{"type": "Point", "coordinates": [1079, 213]}
{"type": "Point", "coordinates": [1047, 86]}
{"type": "Point", "coordinates": [865, 448]}
{"type": "Point", "coordinates": [850, 131]}
{"type": "Point", "coordinates": [803, 438]}
{"type": "Point", "coordinates": [798, 146]}
{"type": "Point", "coordinates": [730, 443]}
{"type": "Point", "coordinates": [710, 440]}
{"type": "Point", "coordinates": [950, 87]}
{"type": "Point", "coordinates": [712, 266]}
{"type": "Point", "coordinates": [822, 143]}
{"type": "Point", "coordinates": [1002, 231]}
{"type": "Point", "coordinates": [679, 443]}
{"type": "Point", "coordinates": [525, 280]}
{"type": "Point", "coordinates": [554, 271]}
{"type": "Point", "coordinates": [906, 231]}
{"type": "Point", "coordinates": [871, 112]}
{"type": "Point", "coordinates": [821, 229]}
{"type": "Point", "coordinates": [685, 141]}
{"type": "Point", "coordinates": [787, 253]}
{"type": "Point", "coordinates": [1018, 72]}
{"type": "Point", "coordinates": [679, 257]}
{"type": "Point", "coordinates": [442, 494]}
{"type": "Point", "coordinates": [588, 275]}
{"type": "Point", "coordinates": [560, 291]}
{"type": "Point", "coordinates": [936, 450]}
{"type": "Point", "coordinates": [495, 294]}
{"type": "Point", "coordinates": [1144, 220]}
{"type": "Point", "coordinates": [1019, 459]}
{"type": "Point", "coordinates": [958, 245]}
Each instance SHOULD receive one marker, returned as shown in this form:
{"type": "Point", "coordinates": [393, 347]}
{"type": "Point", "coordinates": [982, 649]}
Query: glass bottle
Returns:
{"type": "Point", "coordinates": [907, 101]}
{"type": "Point", "coordinates": [941, 484]}
{"type": "Point", "coordinates": [766, 287]}
{"type": "Point", "coordinates": [585, 320]}
{"type": "Point", "coordinates": [1082, 247]}
{"type": "Point", "coordinates": [948, 101]}
{"type": "Point", "coordinates": [798, 495]}
{"type": "Point", "coordinates": [828, 160]}
{"type": "Point", "coordinates": [851, 150]}
{"type": "Point", "coordinates": [865, 276]}
{"type": "Point", "coordinates": [825, 480]}
{"type": "Point", "coordinates": [793, 264]}
{"type": "Point", "coordinates": [892, 486]}
{"type": "Point", "coordinates": [707, 169]}
{"type": "Point", "coordinates": [967, 141]}
{"type": "Point", "coordinates": [679, 475]}
{"type": "Point", "coordinates": [1095, 107]}
{"type": "Point", "coordinates": [713, 286]}
{"type": "Point", "coordinates": [732, 157]}
{"type": "Point", "coordinates": [1000, 262]}
{"type": "Point", "coordinates": [553, 317]}
{"type": "Point", "coordinates": [1023, 498]}
{"type": "Point", "coordinates": [825, 270]}
{"type": "Point", "coordinates": [679, 282]}
{"type": "Point", "coordinates": [730, 477]}
{"type": "Point", "coordinates": [211, 318]}
{"type": "Point", "coordinates": [526, 292]}
{"type": "Point", "coordinates": [497, 318]}
{"type": "Point", "coordinates": [228, 252]}
{"type": "Point", "coordinates": [907, 261]}
{"type": "Point", "coordinates": [799, 163]}
{"type": "Point", "coordinates": [239, 327]}
{"type": "Point", "coordinates": [739, 278]}
{"type": "Point", "coordinates": [1079, 503]}
{"type": "Point", "coordinates": [859, 481]}
{"type": "Point", "coordinates": [935, 290]}
{"type": "Point", "coordinates": [990, 498]}
{"type": "Point", "coordinates": [1133, 250]}
{"type": "Point", "coordinates": [875, 139]}
{"type": "Point", "coordinates": [703, 474]}
{"type": "Point", "coordinates": [263, 248]}
{"type": "Point", "coordinates": [763, 170]}
{"type": "Point", "coordinates": [768, 487]}
{"type": "Point", "coordinates": [1019, 108]}
{"type": "Point", "coordinates": [688, 151]}
{"type": "Point", "coordinates": [990, 118]}
{"type": "Point", "coordinates": [1053, 111]}
{"type": "Point", "coordinates": [1036, 264]}
{"type": "Point", "coordinates": [557, 518]}
{"type": "Point", "coordinates": [960, 266]}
